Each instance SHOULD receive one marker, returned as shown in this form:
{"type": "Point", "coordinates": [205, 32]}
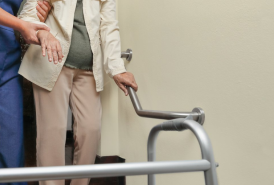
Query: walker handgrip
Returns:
{"type": "Point", "coordinates": [172, 125]}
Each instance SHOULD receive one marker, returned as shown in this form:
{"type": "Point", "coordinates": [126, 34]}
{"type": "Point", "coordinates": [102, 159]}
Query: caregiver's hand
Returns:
{"type": "Point", "coordinates": [52, 45]}
{"type": "Point", "coordinates": [28, 31]}
{"type": "Point", "coordinates": [43, 8]}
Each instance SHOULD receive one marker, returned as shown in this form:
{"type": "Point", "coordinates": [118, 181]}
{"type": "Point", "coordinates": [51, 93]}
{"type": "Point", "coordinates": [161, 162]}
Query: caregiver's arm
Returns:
{"type": "Point", "coordinates": [43, 8]}
{"type": "Point", "coordinates": [28, 30]}
{"type": "Point", "coordinates": [48, 42]}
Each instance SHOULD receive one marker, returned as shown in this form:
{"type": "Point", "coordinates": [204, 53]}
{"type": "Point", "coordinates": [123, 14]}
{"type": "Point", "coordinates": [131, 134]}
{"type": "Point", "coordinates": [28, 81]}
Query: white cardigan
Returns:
{"type": "Point", "coordinates": [103, 31]}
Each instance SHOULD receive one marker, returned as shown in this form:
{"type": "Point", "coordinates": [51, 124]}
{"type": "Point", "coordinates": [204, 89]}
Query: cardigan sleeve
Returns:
{"type": "Point", "coordinates": [109, 31]}
{"type": "Point", "coordinates": [29, 12]}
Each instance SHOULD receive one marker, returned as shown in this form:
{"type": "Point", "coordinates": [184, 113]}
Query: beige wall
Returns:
{"type": "Point", "coordinates": [109, 140]}
{"type": "Point", "coordinates": [215, 54]}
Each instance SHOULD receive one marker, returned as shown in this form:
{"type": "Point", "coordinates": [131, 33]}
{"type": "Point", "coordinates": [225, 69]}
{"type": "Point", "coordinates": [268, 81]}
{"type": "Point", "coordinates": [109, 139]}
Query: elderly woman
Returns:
{"type": "Point", "coordinates": [87, 33]}
{"type": "Point", "coordinates": [11, 102]}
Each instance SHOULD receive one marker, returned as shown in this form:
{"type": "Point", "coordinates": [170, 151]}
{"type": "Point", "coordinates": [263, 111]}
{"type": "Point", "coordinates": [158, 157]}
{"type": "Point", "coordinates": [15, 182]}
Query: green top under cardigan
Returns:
{"type": "Point", "coordinates": [80, 55]}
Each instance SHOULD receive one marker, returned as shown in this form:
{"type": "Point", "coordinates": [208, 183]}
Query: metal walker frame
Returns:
{"type": "Point", "coordinates": [178, 121]}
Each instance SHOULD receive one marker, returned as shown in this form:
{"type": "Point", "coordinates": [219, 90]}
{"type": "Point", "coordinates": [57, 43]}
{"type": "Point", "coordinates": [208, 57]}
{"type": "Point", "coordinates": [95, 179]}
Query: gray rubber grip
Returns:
{"type": "Point", "coordinates": [173, 125]}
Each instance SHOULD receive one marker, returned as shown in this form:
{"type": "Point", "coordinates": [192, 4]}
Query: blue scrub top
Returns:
{"type": "Point", "coordinates": [11, 6]}
{"type": "Point", "coordinates": [10, 50]}
{"type": "Point", "coordinates": [11, 96]}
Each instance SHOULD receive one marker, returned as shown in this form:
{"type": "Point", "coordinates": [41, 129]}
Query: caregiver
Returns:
{"type": "Point", "coordinates": [11, 95]}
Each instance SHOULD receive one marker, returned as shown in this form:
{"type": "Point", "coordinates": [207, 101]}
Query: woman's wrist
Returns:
{"type": "Point", "coordinates": [42, 34]}
{"type": "Point", "coordinates": [39, 32]}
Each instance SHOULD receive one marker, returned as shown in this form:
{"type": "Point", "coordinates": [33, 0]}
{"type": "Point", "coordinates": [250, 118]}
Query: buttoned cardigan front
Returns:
{"type": "Point", "coordinates": [103, 31]}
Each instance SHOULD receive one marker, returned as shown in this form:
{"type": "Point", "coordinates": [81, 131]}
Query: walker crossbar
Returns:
{"type": "Point", "coordinates": [102, 170]}
{"type": "Point", "coordinates": [184, 121]}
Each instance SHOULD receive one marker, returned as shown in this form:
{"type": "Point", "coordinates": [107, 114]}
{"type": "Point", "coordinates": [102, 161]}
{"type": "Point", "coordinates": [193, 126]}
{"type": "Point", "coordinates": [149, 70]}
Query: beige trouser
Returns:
{"type": "Point", "coordinates": [76, 88]}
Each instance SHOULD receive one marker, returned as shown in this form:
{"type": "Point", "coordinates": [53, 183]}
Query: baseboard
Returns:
{"type": "Point", "coordinates": [102, 160]}
{"type": "Point", "coordinates": [109, 180]}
